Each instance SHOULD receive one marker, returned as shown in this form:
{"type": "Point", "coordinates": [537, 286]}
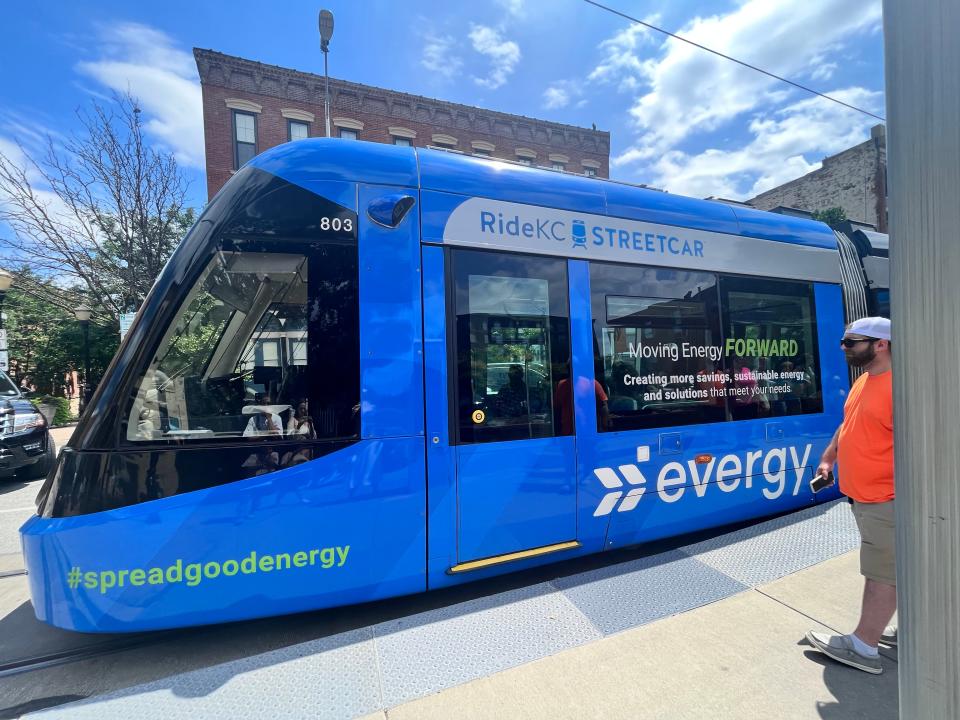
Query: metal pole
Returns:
{"type": "Point", "coordinates": [923, 111]}
{"type": "Point", "coordinates": [86, 363]}
{"type": "Point", "coordinates": [326, 91]}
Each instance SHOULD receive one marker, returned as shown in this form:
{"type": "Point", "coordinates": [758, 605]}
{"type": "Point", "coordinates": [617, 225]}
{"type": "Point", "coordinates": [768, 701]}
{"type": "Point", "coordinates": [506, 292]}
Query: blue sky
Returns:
{"type": "Point", "coordinates": [680, 119]}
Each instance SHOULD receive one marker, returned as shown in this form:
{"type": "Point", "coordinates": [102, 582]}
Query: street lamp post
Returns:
{"type": "Point", "coordinates": [326, 32]}
{"type": "Point", "coordinates": [83, 313]}
{"type": "Point", "coordinates": [6, 281]}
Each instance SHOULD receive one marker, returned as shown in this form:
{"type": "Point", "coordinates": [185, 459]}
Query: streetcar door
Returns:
{"type": "Point", "coordinates": [511, 403]}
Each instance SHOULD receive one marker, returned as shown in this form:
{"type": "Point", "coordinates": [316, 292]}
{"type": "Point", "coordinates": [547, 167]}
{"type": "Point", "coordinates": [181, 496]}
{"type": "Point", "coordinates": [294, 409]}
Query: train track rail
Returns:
{"type": "Point", "coordinates": [19, 666]}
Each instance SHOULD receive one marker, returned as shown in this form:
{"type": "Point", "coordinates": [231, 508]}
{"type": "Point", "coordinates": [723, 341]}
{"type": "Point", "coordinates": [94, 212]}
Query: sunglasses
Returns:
{"type": "Point", "coordinates": [850, 342]}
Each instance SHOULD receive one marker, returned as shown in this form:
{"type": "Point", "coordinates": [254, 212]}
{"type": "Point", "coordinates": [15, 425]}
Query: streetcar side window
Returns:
{"type": "Point", "coordinates": [512, 347]}
{"type": "Point", "coordinates": [771, 347]}
{"type": "Point", "coordinates": [656, 340]}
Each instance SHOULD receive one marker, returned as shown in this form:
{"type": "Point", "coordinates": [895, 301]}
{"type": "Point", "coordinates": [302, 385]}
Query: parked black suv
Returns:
{"type": "Point", "coordinates": [26, 448]}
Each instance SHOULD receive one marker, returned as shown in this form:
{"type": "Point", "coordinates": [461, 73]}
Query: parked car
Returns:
{"type": "Point", "coordinates": [26, 448]}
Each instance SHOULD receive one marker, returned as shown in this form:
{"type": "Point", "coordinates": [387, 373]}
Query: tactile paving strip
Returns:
{"type": "Point", "coordinates": [623, 596]}
{"type": "Point", "coordinates": [430, 651]}
{"type": "Point", "coordinates": [781, 546]}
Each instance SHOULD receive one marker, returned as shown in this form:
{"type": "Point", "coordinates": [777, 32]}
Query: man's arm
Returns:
{"type": "Point", "coordinates": [829, 457]}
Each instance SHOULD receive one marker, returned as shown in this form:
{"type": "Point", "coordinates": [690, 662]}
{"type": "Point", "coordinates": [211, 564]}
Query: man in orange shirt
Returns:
{"type": "Point", "coordinates": [863, 448]}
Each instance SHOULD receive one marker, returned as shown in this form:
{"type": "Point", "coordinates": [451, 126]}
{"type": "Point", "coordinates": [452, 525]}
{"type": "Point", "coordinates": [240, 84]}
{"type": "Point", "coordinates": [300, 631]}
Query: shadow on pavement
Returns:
{"type": "Point", "coordinates": [10, 484]}
{"type": "Point", "coordinates": [858, 694]}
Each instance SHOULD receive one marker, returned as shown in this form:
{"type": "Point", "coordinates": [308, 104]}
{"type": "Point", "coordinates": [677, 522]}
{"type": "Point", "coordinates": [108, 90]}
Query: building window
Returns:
{"type": "Point", "coordinates": [244, 138]}
{"type": "Point", "coordinates": [402, 141]}
{"type": "Point", "coordinates": [526, 156]}
{"type": "Point", "coordinates": [346, 134]}
{"type": "Point", "coordinates": [558, 166]}
{"type": "Point", "coordinates": [590, 172]}
{"type": "Point", "coordinates": [297, 130]}
{"type": "Point", "coordinates": [481, 148]}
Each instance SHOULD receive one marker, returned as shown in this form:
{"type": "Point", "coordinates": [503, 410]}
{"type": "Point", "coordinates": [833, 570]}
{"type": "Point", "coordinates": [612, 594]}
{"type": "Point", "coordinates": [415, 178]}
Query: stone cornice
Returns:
{"type": "Point", "coordinates": [242, 75]}
{"type": "Point", "coordinates": [295, 114]}
{"type": "Point", "coordinates": [349, 123]}
{"type": "Point", "coordinates": [243, 105]}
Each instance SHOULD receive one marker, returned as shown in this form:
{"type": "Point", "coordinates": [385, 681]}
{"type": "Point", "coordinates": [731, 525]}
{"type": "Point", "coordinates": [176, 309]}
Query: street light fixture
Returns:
{"type": "Point", "coordinates": [83, 313]}
{"type": "Point", "coordinates": [326, 32]}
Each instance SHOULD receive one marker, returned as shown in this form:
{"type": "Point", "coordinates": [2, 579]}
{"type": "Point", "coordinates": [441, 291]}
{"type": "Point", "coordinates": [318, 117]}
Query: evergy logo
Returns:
{"type": "Point", "coordinates": [676, 479]}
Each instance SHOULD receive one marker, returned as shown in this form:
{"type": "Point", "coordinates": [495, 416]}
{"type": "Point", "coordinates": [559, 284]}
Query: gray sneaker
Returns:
{"type": "Point", "coordinates": [889, 636]}
{"type": "Point", "coordinates": [840, 648]}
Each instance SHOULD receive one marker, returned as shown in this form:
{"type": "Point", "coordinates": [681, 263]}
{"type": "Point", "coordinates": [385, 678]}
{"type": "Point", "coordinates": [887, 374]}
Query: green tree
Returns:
{"type": "Point", "coordinates": [45, 340]}
{"type": "Point", "coordinates": [831, 216]}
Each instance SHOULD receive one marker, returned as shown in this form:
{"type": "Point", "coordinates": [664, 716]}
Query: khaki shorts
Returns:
{"type": "Point", "coordinates": [877, 558]}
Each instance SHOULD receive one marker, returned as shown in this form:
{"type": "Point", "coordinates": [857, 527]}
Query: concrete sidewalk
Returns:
{"type": "Point", "coordinates": [741, 657]}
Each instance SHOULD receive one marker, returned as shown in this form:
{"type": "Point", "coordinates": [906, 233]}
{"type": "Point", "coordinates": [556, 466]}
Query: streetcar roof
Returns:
{"type": "Point", "coordinates": [316, 160]}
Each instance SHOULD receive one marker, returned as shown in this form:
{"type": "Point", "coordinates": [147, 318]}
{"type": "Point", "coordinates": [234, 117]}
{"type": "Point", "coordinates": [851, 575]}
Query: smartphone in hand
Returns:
{"type": "Point", "coordinates": [821, 482]}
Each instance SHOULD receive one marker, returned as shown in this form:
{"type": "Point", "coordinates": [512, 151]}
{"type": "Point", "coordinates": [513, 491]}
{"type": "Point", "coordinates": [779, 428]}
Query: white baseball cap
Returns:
{"type": "Point", "coordinates": [871, 327]}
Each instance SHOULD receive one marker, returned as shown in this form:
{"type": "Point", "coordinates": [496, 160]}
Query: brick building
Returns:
{"type": "Point", "coordinates": [249, 107]}
{"type": "Point", "coordinates": [855, 179]}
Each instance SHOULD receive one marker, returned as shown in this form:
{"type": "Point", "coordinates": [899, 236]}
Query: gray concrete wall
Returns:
{"type": "Point", "coordinates": [853, 179]}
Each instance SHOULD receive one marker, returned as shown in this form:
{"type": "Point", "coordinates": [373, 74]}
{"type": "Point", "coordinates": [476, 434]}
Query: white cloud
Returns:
{"type": "Point", "coordinates": [687, 90]}
{"type": "Point", "coordinates": [513, 7]}
{"type": "Point", "coordinates": [503, 54]}
{"type": "Point", "coordinates": [12, 151]}
{"type": "Point", "coordinates": [555, 97]}
{"type": "Point", "coordinates": [162, 77]}
{"type": "Point", "coordinates": [561, 93]}
{"type": "Point", "coordinates": [823, 71]}
{"type": "Point", "coordinates": [18, 148]}
{"type": "Point", "coordinates": [621, 62]}
{"type": "Point", "coordinates": [439, 56]}
{"type": "Point", "coordinates": [778, 151]}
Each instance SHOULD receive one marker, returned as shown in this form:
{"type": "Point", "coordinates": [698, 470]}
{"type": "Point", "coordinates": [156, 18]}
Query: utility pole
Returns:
{"type": "Point", "coordinates": [923, 166]}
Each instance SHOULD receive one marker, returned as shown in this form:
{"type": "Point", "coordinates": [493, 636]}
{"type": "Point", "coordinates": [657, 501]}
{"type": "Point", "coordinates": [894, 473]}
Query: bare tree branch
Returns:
{"type": "Point", "coordinates": [103, 210]}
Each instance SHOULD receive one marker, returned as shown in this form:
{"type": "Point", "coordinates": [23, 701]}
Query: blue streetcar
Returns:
{"type": "Point", "coordinates": [371, 370]}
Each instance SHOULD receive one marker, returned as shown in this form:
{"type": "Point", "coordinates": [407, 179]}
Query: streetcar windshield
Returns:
{"type": "Point", "coordinates": [233, 361]}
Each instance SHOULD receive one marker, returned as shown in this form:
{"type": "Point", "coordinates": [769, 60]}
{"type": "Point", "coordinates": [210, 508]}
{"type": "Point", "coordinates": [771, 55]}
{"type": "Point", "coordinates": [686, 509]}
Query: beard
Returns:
{"type": "Point", "coordinates": [862, 358]}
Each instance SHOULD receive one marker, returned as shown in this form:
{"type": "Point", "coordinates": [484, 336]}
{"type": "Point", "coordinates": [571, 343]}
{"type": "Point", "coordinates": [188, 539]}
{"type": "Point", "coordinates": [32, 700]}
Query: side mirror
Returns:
{"type": "Point", "coordinates": [388, 211]}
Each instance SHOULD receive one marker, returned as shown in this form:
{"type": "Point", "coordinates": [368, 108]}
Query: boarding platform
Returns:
{"type": "Point", "coordinates": [711, 628]}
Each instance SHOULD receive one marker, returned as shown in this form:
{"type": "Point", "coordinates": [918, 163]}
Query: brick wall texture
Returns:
{"type": "Point", "coordinates": [224, 77]}
{"type": "Point", "coordinates": [855, 179]}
